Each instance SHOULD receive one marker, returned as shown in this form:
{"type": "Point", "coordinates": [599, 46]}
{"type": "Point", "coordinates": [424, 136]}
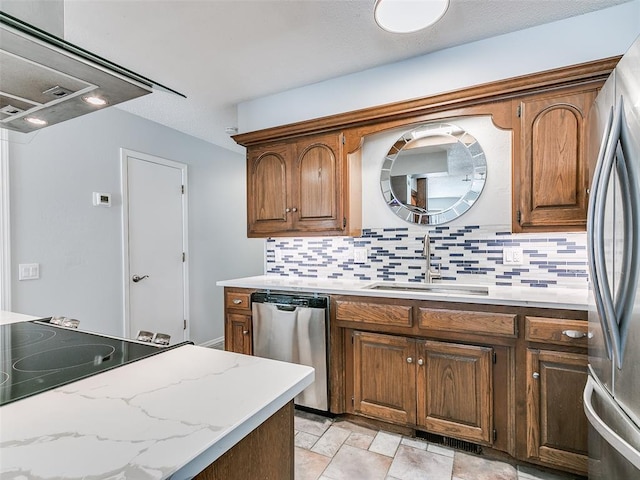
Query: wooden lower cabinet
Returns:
{"type": "Point", "coordinates": [556, 423]}
{"type": "Point", "coordinates": [441, 387]}
{"type": "Point", "coordinates": [237, 325]}
{"type": "Point", "coordinates": [384, 377]}
{"type": "Point", "coordinates": [237, 335]}
{"type": "Point", "coordinates": [455, 390]}
{"type": "Point", "coordinates": [265, 453]}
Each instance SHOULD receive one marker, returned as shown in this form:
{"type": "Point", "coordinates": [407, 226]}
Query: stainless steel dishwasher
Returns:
{"type": "Point", "coordinates": [293, 328]}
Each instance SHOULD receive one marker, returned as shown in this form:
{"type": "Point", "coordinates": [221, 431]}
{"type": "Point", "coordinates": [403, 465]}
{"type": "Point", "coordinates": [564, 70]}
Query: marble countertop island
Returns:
{"type": "Point", "coordinates": [166, 416]}
{"type": "Point", "coordinates": [551, 297]}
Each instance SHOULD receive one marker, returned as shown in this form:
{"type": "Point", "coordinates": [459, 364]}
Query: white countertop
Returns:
{"type": "Point", "coordinates": [167, 416]}
{"type": "Point", "coordinates": [550, 297]}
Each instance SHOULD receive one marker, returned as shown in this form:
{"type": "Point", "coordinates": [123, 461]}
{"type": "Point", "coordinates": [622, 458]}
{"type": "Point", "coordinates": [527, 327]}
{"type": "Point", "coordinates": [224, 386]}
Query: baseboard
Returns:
{"type": "Point", "coordinates": [214, 343]}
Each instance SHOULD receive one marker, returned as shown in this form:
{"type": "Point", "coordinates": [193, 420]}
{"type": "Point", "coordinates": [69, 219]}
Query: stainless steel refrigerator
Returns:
{"type": "Point", "coordinates": [612, 393]}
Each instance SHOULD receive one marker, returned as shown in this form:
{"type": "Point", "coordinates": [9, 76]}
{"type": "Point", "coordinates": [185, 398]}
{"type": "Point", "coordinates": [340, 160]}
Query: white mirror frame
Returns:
{"type": "Point", "coordinates": [417, 215]}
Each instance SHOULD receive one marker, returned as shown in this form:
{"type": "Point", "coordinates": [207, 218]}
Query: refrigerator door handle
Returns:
{"type": "Point", "coordinates": [591, 226]}
{"type": "Point", "coordinates": [608, 315]}
{"type": "Point", "coordinates": [607, 434]}
{"type": "Point", "coordinates": [629, 278]}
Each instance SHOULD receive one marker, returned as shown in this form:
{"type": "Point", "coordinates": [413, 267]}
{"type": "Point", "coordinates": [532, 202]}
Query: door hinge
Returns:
{"type": "Point", "coordinates": [184, 257]}
{"type": "Point", "coordinates": [183, 189]}
{"type": "Point", "coordinates": [495, 435]}
{"type": "Point", "coordinates": [495, 357]}
{"type": "Point", "coordinates": [184, 325]}
{"type": "Point", "coordinates": [519, 111]}
{"type": "Point", "coordinates": [344, 222]}
{"type": "Point", "coordinates": [353, 401]}
{"type": "Point", "coordinates": [343, 139]}
{"type": "Point", "coordinates": [519, 216]}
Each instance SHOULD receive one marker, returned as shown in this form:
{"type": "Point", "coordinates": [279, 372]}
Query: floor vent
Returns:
{"type": "Point", "coordinates": [450, 442]}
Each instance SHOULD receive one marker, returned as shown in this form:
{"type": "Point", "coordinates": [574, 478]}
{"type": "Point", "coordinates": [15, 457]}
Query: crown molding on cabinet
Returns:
{"type": "Point", "coordinates": [472, 100]}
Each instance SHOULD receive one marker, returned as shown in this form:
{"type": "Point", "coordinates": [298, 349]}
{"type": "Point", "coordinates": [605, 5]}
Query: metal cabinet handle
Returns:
{"type": "Point", "coordinates": [536, 375]}
{"type": "Point", "coordinates": [409, 360]}
{"type": "Point", "coordinates": [574, 333]}
{"type": "Point", "coordinates": [237, 301]}
{"type": "Point", "coordinates": [420, 362]}
{"type": "Point", "coordinates": [137, 278]}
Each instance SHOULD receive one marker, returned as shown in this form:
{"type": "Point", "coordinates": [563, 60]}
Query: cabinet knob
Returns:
{"type": "Point", "coordinates": [409, 360]}
{"type": "Point", "coordinates": [574, 333]}
{"type": "Point", "coordinates": [294, 209]}
{"type": "Point", "coordinates": [245, 332]}
{"type": "Point", "coordinates": [420, 362]}
{"type": "Point", "coordinates": [536, 375]}
{"type": "Point", "coordinates": [237, 301]}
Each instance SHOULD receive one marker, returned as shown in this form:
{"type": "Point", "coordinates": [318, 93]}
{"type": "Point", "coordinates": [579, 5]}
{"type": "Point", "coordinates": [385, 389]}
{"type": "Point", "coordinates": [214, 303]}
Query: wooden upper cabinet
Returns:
{"type": "Point", "coordinates": [317, 187]}
{"type": "Point", "coordinates": [303, 186]}
{"type": "Point", "coordinates": [268, 188]}
{"type": "Point", "coordinates": [550, 168]}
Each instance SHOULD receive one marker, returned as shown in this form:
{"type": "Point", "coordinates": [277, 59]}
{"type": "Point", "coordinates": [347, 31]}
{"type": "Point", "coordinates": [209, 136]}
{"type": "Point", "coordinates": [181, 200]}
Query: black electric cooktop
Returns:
{"type": "Point", "coordinates": [37, 356]}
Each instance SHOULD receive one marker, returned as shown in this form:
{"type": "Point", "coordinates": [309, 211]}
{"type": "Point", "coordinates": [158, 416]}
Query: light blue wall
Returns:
{"type": "Point", "coordinates": [593, 36]}
{"type": "Point", "coordinates": [79, 247]}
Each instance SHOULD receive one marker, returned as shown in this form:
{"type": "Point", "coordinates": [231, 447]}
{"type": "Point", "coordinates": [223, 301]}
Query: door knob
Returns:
{"type": "Point", "coordinates": [137, 278]}
{"type": "Point", "coordinates": [536, 375]}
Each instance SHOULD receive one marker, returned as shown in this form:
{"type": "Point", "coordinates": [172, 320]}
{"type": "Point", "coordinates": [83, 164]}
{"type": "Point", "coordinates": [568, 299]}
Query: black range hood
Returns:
{"type": "Point", "coordinates": [46, 80]}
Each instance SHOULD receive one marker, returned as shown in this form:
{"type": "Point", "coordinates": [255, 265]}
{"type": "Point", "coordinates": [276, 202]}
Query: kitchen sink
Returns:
{"type": "Point", "coordinates": [451, 289]}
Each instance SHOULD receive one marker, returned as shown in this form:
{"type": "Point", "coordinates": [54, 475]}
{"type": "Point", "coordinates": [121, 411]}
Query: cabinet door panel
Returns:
{"type": "Point", "coordinates": [318, 178]}
{"type": "Point", "coordinates": [556, 424]}
{"type": "Point", "coordinates": [238, 333]}
{"type": "Point", "coordinates": [317, 181]}
{"type": "Point", "coordinates": [550, 164]}
{"type": "Point", "coordinates": [555, 157]}
{"type": "Point", "coordinates": [267, 190]}
{"type": "Point", "coordinates": [384, 377]}
{"type": "Point", "coordinates": [455, 390]}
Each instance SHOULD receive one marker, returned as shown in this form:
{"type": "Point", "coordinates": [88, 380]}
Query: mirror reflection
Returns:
{"type": "Point", "coordinates": [433, 174]}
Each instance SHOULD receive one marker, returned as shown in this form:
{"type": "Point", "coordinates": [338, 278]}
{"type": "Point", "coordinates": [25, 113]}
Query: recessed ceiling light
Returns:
{"type": "Point", "coordinates": [36, 121]}
{"type": "Point", "coordinates": [95, 101]}
{"type": "Point", "coordinates": [407, 16]}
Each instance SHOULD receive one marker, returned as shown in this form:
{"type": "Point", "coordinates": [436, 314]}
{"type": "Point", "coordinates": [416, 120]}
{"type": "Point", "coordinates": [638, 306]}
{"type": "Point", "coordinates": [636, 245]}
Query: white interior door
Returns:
{"type": "Point", "coordinates": [155, 246]}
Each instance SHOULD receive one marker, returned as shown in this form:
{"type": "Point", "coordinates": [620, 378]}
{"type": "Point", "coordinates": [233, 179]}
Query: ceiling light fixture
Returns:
{"type": "Point", "coordinates": [36, 121]}
{"type": "Point", "coordinates": [95, 101]}
{"type": "Point", "coordinates": [407, 16]}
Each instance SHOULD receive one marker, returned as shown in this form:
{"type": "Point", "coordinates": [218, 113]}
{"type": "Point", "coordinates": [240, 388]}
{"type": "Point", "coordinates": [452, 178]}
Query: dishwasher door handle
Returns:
{"type": "Point", "coordinates": [285, 308]}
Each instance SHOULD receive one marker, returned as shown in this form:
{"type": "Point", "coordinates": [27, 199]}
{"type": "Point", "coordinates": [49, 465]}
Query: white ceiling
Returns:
{"type": "Point", "coordinates": [223, 52]}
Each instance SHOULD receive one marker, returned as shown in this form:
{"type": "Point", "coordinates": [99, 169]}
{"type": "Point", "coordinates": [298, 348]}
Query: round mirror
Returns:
{"type": "Point", "coordinates": [433, 174]}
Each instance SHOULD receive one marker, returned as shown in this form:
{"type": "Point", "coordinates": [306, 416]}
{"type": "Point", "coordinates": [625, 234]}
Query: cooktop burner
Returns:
{"type": "Point", "coordinates": [38, 356]}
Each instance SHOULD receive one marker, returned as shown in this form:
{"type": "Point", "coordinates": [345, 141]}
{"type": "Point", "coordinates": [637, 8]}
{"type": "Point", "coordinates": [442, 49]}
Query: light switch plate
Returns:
{"type": "Point", "coordinates": [28, 271]}
{"type": "Point", "coordinates": [512, 256]}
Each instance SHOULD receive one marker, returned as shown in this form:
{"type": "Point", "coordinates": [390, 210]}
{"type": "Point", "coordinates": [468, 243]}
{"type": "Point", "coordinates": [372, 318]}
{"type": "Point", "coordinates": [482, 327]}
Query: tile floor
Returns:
{"type": "Point", "coordinates": [327, 449]}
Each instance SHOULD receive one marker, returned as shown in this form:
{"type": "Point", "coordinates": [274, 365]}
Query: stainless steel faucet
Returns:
{"type": "Point", "coordinates": [429, 274]}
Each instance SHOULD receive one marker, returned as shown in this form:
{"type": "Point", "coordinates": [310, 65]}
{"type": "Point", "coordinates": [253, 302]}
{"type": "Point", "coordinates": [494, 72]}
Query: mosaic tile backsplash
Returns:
{"type": "Point", "coordinates": [469, 254]}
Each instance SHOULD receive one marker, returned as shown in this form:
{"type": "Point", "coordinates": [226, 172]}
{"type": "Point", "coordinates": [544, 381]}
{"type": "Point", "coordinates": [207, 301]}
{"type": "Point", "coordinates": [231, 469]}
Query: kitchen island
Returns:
{"type": "Point", "coordinates": [178, 414]}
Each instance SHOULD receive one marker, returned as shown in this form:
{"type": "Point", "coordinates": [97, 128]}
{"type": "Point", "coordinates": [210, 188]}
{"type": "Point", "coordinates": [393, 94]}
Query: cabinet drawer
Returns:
{"type": "Point", "coordinates": [557, 331]}
{"type": "Point", "coordinates": [482, 323]}
{"type": "Point", "coordinates": [377, 313]}
{"type": "Point", "coordinates": [238, 300]}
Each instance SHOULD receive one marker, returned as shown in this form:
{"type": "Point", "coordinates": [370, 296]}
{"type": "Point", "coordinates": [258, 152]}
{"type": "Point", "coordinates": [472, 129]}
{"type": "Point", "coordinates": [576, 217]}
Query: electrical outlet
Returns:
{"type": "Point", "coordinates": [512, 256]}
{"type": "Point", "coordinates": [360, 255]}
